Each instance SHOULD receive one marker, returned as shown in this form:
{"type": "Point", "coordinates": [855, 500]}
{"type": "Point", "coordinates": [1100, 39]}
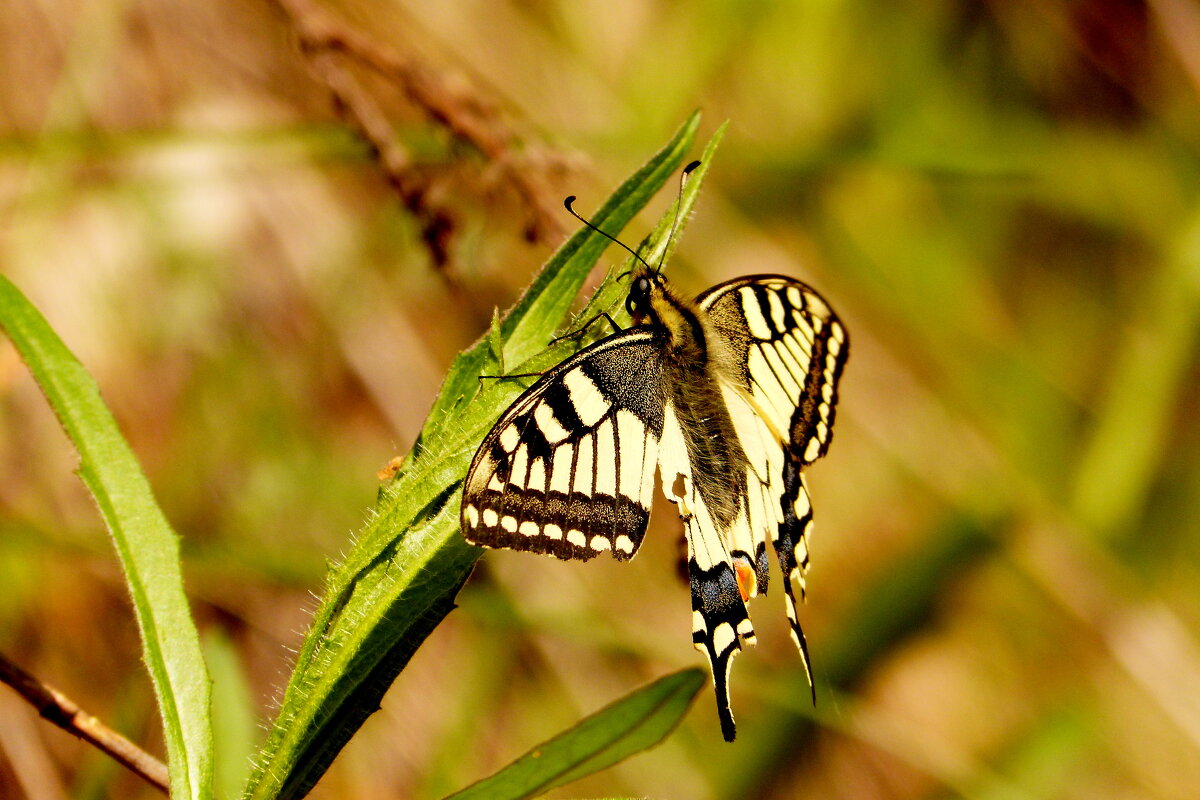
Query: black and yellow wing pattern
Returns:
{"type": "Point", "coordinates": [569, 469]}
{"type": "Point", "coordinates": [727, 397]}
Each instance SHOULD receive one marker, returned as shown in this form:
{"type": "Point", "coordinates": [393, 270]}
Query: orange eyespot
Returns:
{"type": "Point", "coordinates": [747, 583]}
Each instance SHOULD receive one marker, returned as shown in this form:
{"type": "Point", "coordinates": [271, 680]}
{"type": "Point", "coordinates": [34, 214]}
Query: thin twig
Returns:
{"type": "Point", "coordinates": [63, 712]}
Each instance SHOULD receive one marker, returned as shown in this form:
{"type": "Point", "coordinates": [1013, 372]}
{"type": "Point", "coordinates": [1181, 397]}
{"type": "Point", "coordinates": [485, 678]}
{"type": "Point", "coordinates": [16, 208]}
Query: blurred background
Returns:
{"type": "Point", "coordinates": [267, 226]}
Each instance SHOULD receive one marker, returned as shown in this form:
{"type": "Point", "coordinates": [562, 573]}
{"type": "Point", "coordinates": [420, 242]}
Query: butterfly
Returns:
{"type": "Point", "coordinates": [728, 396]}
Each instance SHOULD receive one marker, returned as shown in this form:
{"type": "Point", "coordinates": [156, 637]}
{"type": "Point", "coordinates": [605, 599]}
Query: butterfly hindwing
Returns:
{"type": "Point", "coordinates": [568, 469]}
{"type": "Point", "coordinates": [719, 617]}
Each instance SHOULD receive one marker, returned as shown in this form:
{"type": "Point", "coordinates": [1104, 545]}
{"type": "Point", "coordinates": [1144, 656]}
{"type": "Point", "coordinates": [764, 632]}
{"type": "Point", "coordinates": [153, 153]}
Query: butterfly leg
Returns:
{"type": "Point", "coordinates": [483, 378]}
{"type": "Point", "coordinates": [719, 618]}
{"type": "Point", "coordinates": [791, 548]}
{"type": "Point", "coordinates": [579, 332]}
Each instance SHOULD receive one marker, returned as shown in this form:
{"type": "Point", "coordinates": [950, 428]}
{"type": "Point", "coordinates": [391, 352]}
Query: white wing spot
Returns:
{"type": "Point", "coordinates": [813, 450]}
{"type": "Point", "coordinates": [552, 531]}
{"type": "Point", "coordinates": [576, 538]}
{"type": "Point", "coordinates": [722, 637]}
{"type": "Point", "coordinates": [600, 543]}
{"type": "Point", "coordinates": [624, 543]}
{"type": "Point", "coordinates": [537, 475]}
{"type": "Point", "coordinates": [632, 436]}
{"type": "Point", "coordinates": [529, 528]}
{"type": "Point", "coordinates": [755, 322]}
{"type": "Point", "coordinates": [606, 459]}
{"type": "Point", "coordinates": [649, 462]}
{"type": "Point", "coordinates": [510, 437]}
{"type": "Point", "coordinates": [698, 625]}
{"type": "Point", "coordinates": [796, 365]}
{"type": "Point", "coordinates": [585, 467]}
{"type": "Point", "coordinates": [777, 311]}
{"type": "Point", "coordinates": [830, 365]}
{"type": "Point", "coordinates": [509, 523]}
{"type": "Point", "coordinates": [548, 425]}
{"type": "Point", "coordinates": [490, 517]}
{"type": "Point", "coordinates": [798, 348]}
{"type": "Point", "coordinates": [589, 403]}
{"type": "Point", "coordinates": [785, 365]}
{"type": "Point", "coordinates": [519, 474]}
{"type": "Point", "coordinates": [779, 404]}
{"type": "Point", "coordinates": [560, 469]}
{"type": "Point", "coordinates": [472, 515]}
{"type": "Point", "coordinates": [794, 297]}
{"type": "Point", "coordinates": [802, 505]}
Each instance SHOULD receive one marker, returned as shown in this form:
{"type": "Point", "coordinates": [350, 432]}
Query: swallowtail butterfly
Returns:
{"type": "Point", "coordinates": [729, 396]}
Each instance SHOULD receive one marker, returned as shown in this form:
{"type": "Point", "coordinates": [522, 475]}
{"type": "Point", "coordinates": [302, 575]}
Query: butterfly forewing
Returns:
{"type": "Point", "coordinates": [568, 470]}
{"type": "Point", "coordinates": [788, 349]}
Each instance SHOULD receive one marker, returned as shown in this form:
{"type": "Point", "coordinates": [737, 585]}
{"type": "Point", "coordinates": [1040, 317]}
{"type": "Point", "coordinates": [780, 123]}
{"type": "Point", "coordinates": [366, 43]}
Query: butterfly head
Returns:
{"type": "Point", "coordinates": [645, 293]}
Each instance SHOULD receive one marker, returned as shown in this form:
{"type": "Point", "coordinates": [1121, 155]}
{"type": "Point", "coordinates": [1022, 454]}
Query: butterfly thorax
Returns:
{"type": "Point", "coordinates": [694, 360]}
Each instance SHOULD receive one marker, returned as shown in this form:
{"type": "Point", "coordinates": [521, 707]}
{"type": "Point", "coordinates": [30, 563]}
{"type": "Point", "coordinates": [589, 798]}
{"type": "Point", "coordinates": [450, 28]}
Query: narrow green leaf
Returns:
{"type": "Point", "coordinates": [147, 546]}
{"type": "Point", "coordinates": [496, 340]}
{"type": "Point", "coordinates": [634, 723]}
{"type": "Point", "coordinates": [409, 561]}
{"type": "Point", "coordinates": [235, 727]}
{"type": "Point", "coordinates": [556, 286]}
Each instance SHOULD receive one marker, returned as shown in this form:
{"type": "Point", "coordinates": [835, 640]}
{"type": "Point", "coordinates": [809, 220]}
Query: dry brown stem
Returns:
{"type": "Point", "coordinates": [63, 712]}
{"type": "Point", "coordinates": [469, 117]}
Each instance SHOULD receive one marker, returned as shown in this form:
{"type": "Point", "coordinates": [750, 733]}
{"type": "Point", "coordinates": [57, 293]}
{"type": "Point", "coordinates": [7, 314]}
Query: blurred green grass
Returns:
{"type": "Point", "coordinates": [999, 199]}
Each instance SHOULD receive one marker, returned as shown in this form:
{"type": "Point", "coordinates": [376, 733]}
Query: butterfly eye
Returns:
{"type": "Point", "coordinates": [638, 301]}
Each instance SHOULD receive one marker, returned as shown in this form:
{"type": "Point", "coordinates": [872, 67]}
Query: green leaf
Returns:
{"type": "Point", "coordinates": [146, 545]}
{"type": "Point", "coordinates": [634, 723]}
{"type": "Point", "coordinates": [234, 723]}
{"type": "Point", "coordinates": [409, 561]}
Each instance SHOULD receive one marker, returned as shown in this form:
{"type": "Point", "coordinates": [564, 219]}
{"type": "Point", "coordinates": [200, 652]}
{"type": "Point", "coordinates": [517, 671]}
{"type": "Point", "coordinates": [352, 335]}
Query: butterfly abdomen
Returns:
{"type": "Point", "coordinates": [693, 357]}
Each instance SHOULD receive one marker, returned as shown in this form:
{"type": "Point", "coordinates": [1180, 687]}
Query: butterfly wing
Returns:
{"type": "Point", "coordinates": [719, 618]}
{"type": "Point", "coordinates": [568, 470]}
{"type": "Point", "coordinates": [787, 350]}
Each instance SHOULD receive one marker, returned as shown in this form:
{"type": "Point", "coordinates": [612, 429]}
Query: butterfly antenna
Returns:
{"type": "Point", "coordinates": [678, 205]}
{"type": "Point", "coordinates": [608, 236]}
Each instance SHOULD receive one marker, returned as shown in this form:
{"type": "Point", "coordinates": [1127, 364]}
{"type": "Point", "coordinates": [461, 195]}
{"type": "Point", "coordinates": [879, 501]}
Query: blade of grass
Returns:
{"type": "Point", "coordinates": [634, 723]}
{"type": "Point", "coordinates": [234, 724]}
{"type": "Point", "coordinates": [409, 561]}
{"type": "Point", "coordinates": [146, 545]}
